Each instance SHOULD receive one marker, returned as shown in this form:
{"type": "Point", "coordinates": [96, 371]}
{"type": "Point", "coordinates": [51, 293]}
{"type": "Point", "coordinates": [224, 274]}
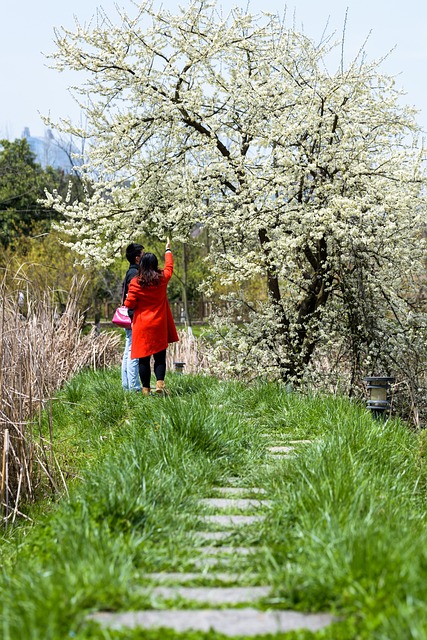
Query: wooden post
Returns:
{"type": "Point", "coordinates": [4, 493]}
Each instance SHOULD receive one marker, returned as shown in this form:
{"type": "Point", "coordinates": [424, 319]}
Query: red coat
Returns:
{"type": "Point", "coordinates": [153, 327]}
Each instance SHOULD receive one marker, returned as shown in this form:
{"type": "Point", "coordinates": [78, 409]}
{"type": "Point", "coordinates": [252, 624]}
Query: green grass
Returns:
{"type": "Point", "coordinates": [346, 531]}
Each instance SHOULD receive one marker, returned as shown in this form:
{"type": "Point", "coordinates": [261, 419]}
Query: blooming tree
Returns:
{"type": "Point", "coordinates": [309, 180]}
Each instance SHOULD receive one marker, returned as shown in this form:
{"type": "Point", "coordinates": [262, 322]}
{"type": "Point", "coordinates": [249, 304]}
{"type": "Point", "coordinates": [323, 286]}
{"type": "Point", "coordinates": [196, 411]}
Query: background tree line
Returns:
{"type": "Point", "coordinates": [28, 240]}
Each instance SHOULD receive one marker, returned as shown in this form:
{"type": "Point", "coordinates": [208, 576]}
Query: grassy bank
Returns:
{"type": "Point", "coordinates": [346, 532]}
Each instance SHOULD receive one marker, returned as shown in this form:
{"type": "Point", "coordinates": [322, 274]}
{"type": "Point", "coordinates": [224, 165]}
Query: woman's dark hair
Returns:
{"type": "Point", "coordinates": [148, 270]}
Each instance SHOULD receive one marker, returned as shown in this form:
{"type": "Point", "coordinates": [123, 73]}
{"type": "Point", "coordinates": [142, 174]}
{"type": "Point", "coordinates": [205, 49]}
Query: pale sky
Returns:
{"type": "Point", "coordinates": [28, 86]}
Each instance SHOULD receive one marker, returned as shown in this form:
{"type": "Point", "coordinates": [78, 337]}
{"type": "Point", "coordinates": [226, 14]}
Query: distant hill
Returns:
{"type": "Point", "coordinates": [50, 151]}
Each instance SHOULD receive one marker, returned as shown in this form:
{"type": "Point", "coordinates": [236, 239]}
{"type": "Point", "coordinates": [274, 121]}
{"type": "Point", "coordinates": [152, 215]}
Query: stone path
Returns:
{"type": "Point", "coordinates": [231, 520]}
{"type": "Point", "coordinates": [220, 566]}
{"type": "Point", "coordinates": [238, 490]}
{"type": "Point", "coordinates": [230, 622]}
{"type": "Point", "coordinates": [234, 503]}
{"type": "Point", "coordinates": [212, 595]}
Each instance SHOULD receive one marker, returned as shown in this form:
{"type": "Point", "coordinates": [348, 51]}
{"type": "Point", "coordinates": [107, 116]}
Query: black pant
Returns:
{"type": "Point", "coordinates": [159, 368]}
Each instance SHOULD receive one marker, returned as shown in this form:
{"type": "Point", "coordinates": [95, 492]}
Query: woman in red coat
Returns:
{"type": "Point", "coordinates": [153, 327]}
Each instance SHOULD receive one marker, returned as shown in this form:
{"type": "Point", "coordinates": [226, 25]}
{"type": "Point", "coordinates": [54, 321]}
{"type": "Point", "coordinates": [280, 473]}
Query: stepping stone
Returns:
{"type": "Point", "coordinates": [212, 535]}
{"type": "Point", "coordinates": [232, 491]}
{"type": "Point", "coordinates": [212, 562]}
{"type": "Point", "coordinates": [233, 481]}
{"type": "Point", "coordinates": [274, 434]}
{"type": "Point", "coordinates": [280, 456]}
{"type": "Point", "coordinates": [300, 441]}
{"type": "Point", "coordinates": [231, 521]}
{"type": "Point", "coordinates": [227, 551]}
{"type": "Point", "coordinates": [220, 556]}
{"type": "Point", "coordinates": [210, 576]}
{"type": "Point", "coordinates": [281, 449]}
{"type": "Point", "coordinates": [230, 622]}
{"type": "Point", "coordinates": [237, 503]}
{"type": "Point", "coordinates": [213, 595]}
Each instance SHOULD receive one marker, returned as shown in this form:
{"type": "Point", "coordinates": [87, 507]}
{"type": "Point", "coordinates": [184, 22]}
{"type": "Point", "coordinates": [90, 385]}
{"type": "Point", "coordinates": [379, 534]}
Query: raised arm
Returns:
{"type": "Point", "coordinates": [168, 270]}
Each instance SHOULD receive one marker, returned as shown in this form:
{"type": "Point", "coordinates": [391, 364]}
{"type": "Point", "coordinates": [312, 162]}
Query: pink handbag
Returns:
{"type": "Point", "coordinates": [121, 318]}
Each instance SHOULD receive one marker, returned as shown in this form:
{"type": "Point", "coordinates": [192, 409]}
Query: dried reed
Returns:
{"type": "Point", "coordinates": [189, 350]}
{"type": "Point", "coordinates": [40, 349]}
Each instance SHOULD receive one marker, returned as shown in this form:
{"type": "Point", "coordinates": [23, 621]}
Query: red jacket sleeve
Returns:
{"type": "Point", "coordinates": [168, 270]}
{"type": "Point", "coordinates": [131, 297]}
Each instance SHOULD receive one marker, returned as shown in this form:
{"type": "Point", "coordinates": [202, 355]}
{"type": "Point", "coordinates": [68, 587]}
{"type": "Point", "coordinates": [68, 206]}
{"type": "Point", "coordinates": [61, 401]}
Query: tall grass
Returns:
{"type": "Point", "coordinates": [40, 348]}
{"type": "Point", "coordinates": [345, 532]}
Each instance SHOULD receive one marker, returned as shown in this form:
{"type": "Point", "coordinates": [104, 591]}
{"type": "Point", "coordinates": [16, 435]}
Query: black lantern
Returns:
{"type": "Point", "coordinates": [378, 401]}
{"type": "Point", "coordinates": [179, 367]}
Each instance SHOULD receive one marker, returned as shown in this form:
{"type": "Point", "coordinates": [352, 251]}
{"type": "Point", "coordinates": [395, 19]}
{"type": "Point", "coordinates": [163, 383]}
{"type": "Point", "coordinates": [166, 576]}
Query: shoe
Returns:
{"type": "Point", "coordinates": [160, 387]}
{"type": "Point", "coordinates": [146, 391]}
